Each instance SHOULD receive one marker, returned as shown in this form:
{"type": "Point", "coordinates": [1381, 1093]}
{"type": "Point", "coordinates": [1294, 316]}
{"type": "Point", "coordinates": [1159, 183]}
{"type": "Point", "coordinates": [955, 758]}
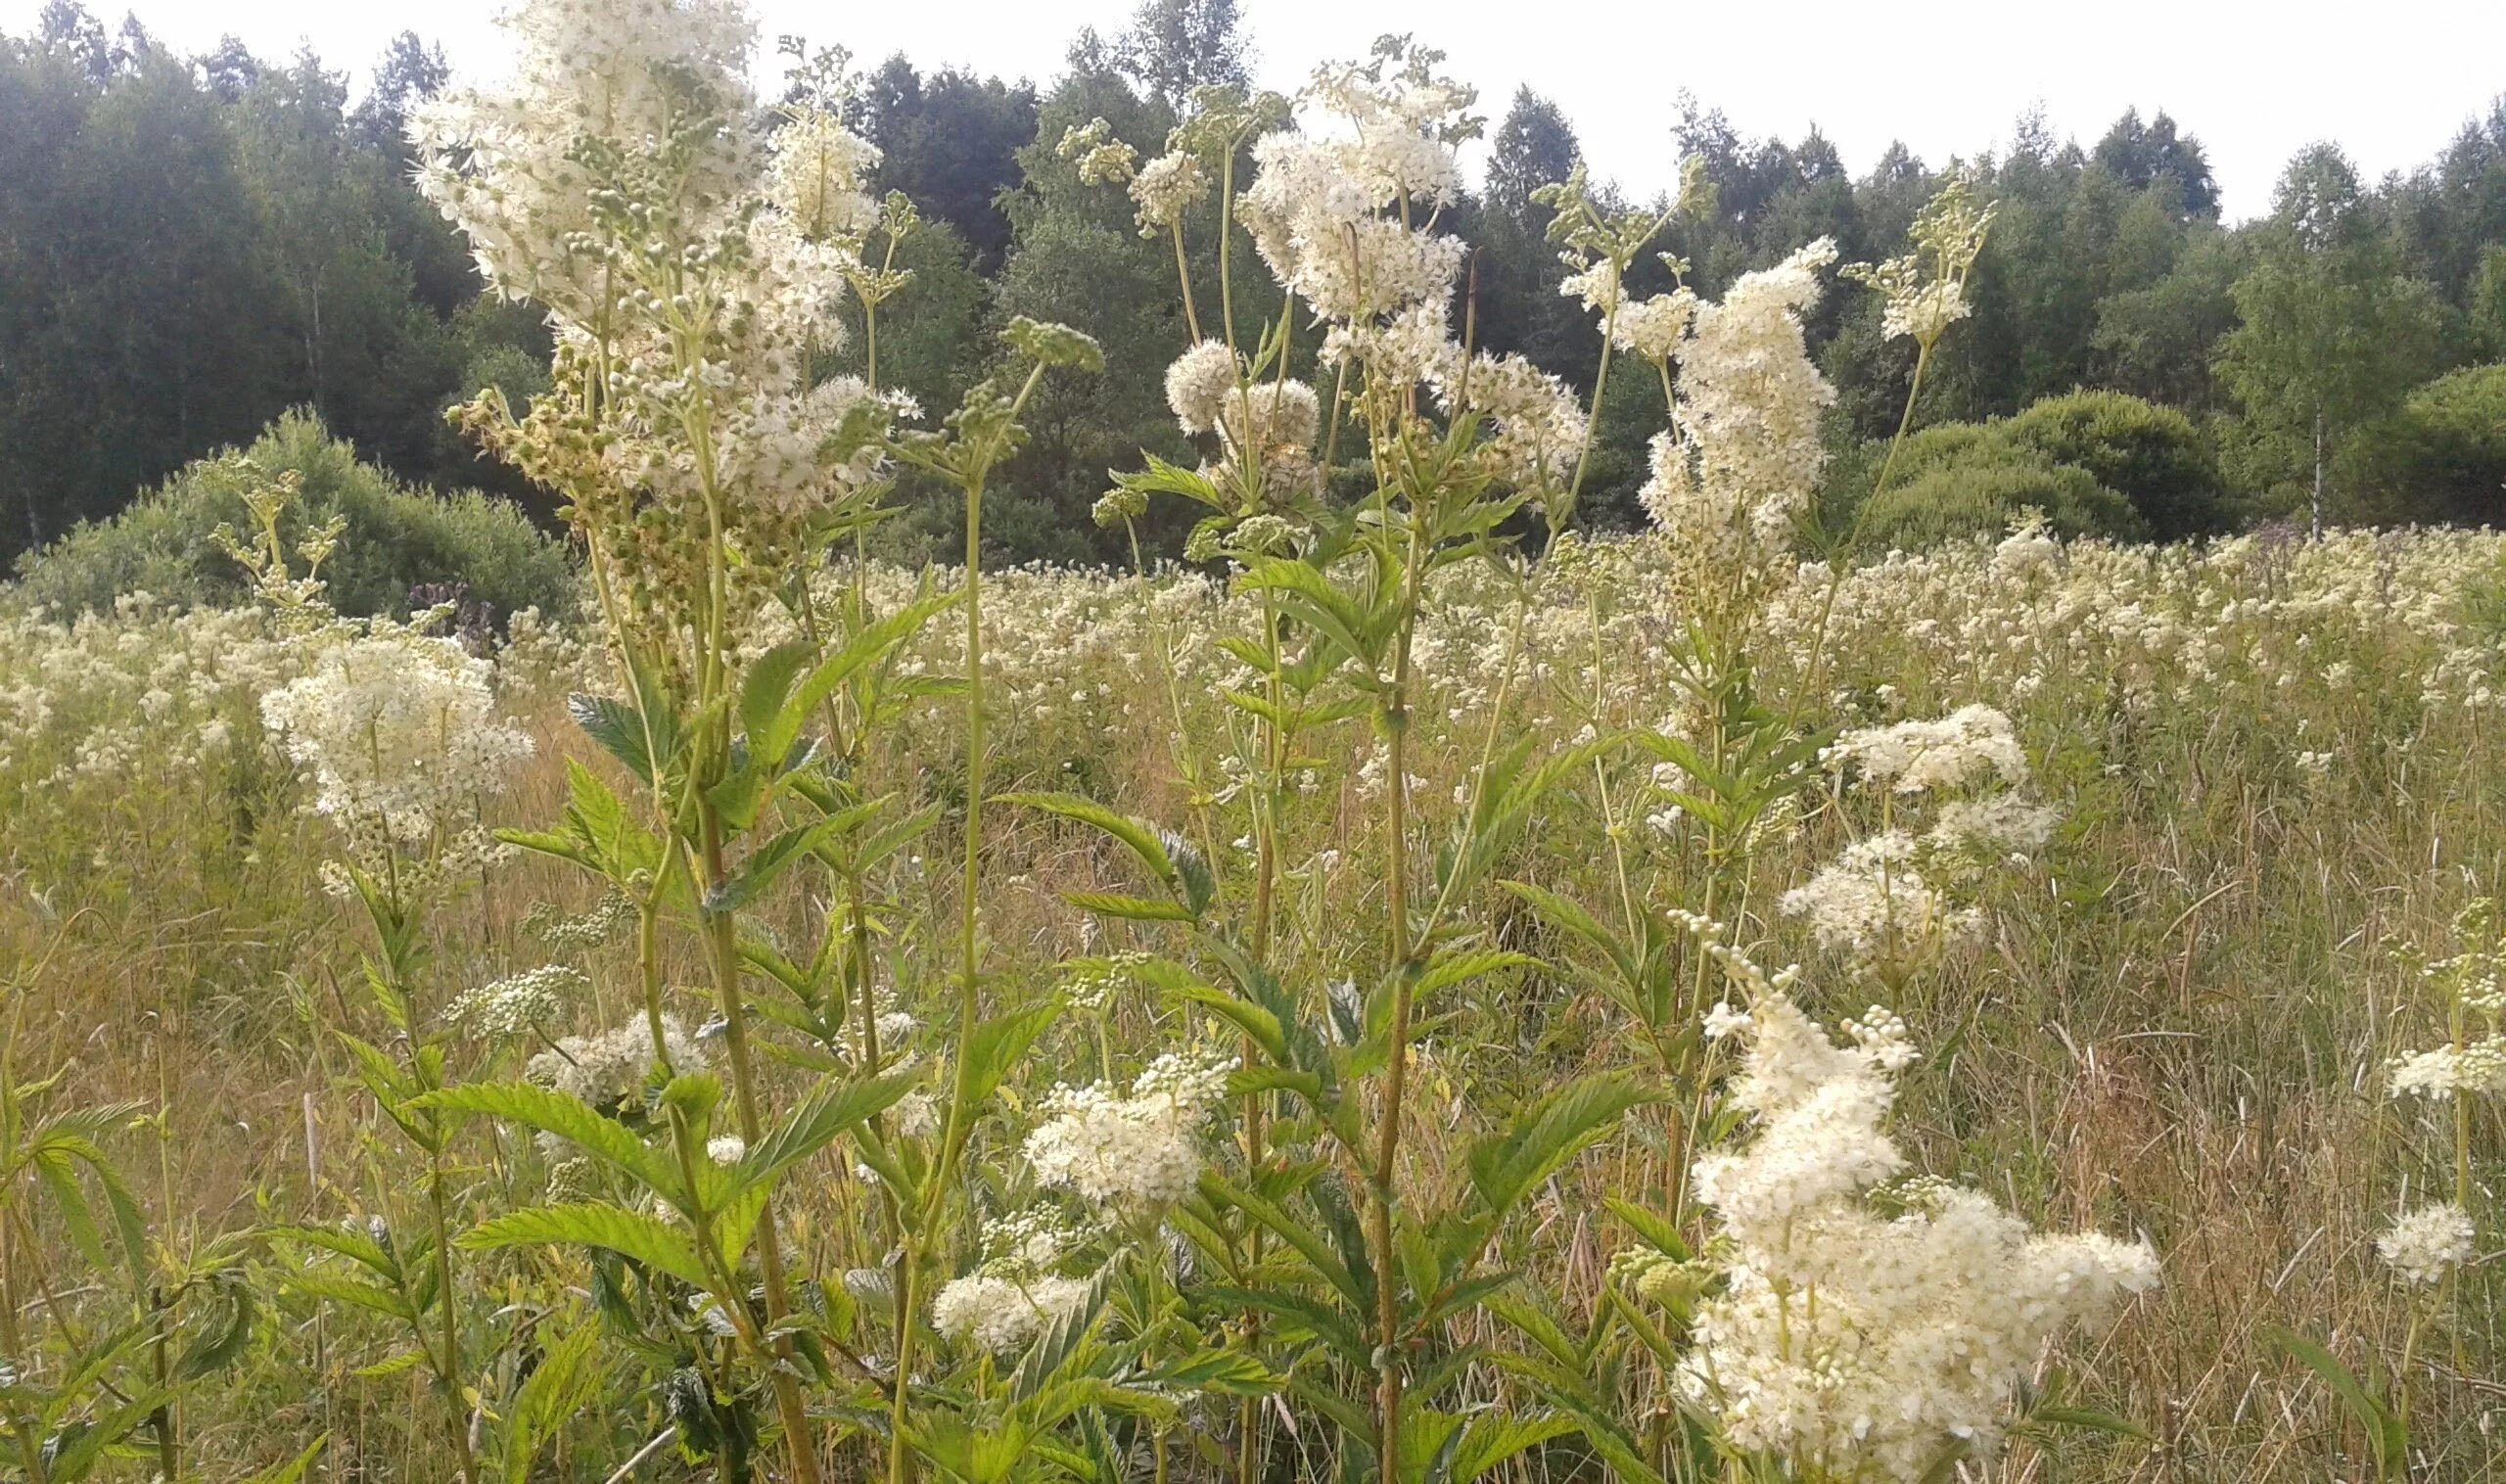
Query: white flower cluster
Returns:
{"type": "Point", "coordinates": [917, 1115]}
{"type": "Point", "coordinates": [1325, 236]}
{"type": "Point", "coordinates": [2422, 1246]}
{"type": "Point", "coordinates": [1001, 1314]}
{"type": "Point", "coordinates": [1032, 1242]}
{"type": "Point", "coordinates": [1743, 453]}
{"type": "Point", "coordinates": [815, 176]}
{"type": "Point", "coordinates": [2450, 1071]}
{"type": "Point", "coordinates": [1854, 1344]}
{"type": "Point", "coordinates": [1874, 904]}
{"type": "Point", "coordinates": [1969, 745]}
{"type": "Point", "coordinates": [586, 930]}
{"type": "Point", "coordinates": [1140, 1152]}
{"type": "Point", "coordinates": [1403, 122]}
{"type": "Point", "coordinates": [1318, 207]}
{"type": "Point", "coordinates": [692, 270]}
{"type": "Point", "coordinates": [607, 1070]}
{"type": "Point", "coordinates": [1924, 312]}
{"type": "Point", "coordinates": [510, 166]}
{"type": "Point", "coordinates": [1999, 822]}
{"type": "Point", "coordinates": [1198, 384]}
{"type": "Point", "coordinates": [1886, 900]}
{"type": "Point", "coordinates": [400, 733]}
{"type": "Point", "coordinates": [517, 1005]}
{"type": "Point", "coordinates": [1166, 188]}
{"type": "Point", "coordinates": [2469, 1063]}
{"type": "Point", "coordinates": [1655, 328]}
{"type": "Point", "coordinates": [1925, 292]}
{"type": "Point", "coordinates": [1537, 420]}
{"type": "Point", "coordinates": [1272, 422]}
{"type": "Point", "coordinates": [1268, 418]}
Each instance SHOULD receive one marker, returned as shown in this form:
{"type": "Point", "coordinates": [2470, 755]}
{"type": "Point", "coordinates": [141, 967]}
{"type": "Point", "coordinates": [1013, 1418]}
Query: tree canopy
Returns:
{"type": "Point", "coordinates": [190, 246]}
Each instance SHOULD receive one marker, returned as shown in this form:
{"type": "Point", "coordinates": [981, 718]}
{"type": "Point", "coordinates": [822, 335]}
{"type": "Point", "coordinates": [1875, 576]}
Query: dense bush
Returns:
{"type": "Point", "coordinates": [2441, 457]}
{"type": "Point", "coordinates": [398, 537]}
{"type": "Point", "coordinates": [2097, 463]}
{"type": "Point", "coordinates": [1985, 492]}
{"type": "Point", "coordinates": [2154, 456]}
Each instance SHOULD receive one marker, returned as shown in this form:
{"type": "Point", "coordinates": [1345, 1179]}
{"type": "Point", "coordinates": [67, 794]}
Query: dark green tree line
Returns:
{"type": "Point", "coordinates": [190, 246]}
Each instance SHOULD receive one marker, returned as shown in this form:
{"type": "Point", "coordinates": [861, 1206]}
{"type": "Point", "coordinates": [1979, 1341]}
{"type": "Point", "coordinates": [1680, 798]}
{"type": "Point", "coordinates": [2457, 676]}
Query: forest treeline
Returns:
{"type": "Point", "coordinates": [191, 246]}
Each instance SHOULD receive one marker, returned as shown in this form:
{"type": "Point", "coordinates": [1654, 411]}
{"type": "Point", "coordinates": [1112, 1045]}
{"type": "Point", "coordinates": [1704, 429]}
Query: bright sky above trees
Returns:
{"type": "Point", "coordinates": [2254, 83]}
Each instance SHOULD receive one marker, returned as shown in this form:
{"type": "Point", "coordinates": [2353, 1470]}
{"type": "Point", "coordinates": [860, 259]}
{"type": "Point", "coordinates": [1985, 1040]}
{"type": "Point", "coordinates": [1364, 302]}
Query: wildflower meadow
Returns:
{"type": "Point", "coordinates": [1419, 991]}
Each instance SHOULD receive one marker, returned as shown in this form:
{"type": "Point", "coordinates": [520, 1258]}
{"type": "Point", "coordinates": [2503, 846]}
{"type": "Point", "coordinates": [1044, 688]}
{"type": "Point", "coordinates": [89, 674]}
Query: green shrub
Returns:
{"type": "Point", "coordinates": [2441, 457]}
{"type": "Point", "coordinates": [2153, 455]}
{"type": "Point", "coordinates": [1983, 492]}
{"type": "Point", "coordinates": [1943, 445]}
{"type": "Point", "coordinates": [398, 537]}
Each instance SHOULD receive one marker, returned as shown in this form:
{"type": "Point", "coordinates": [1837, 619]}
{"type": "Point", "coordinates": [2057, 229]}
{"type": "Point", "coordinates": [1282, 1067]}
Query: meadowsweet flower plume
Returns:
{"type": "Point", "coordinates": [1341, 213]}
{"type": "Point", "coordinates": [1925, 290]}
{"type": "Point", "coordinates": [2422, 1246]}
{"type": "Point", "coordinates": [1743, 453]}
{"type": "Point", "coordinates": [692, 269]}
{"type": "Point", "coordinates": [1137, 1152]}
{"type": "Point", "coordinates": [1970, 744]}
{"type": "Point", "coordinates": [1857, 1344]}
{"type": "Point", "coordinates": [608, 1070]}
{"type": "Point", "coordinates": [400, 735]}
{"type": "Point", "coordinates": [1002, 1314]}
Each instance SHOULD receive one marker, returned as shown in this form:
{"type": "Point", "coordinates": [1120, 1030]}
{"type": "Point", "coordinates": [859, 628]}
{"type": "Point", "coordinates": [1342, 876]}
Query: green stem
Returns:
{"type": "Point", "coordinates": [1397, 1073]}
{"type": "Point", "coordinates": [721, 945]}
{"type": "Point", "coordinates": [1584, 455]}
{"type": "Point", "coordinates": [1184, 276]}
{"type": "Point", "coordinates": [455, 1407]}
{"type": "Point", "coordinates": [1839, 559]}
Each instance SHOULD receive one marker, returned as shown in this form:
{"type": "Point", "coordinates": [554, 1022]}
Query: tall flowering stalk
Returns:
{"type": "Point", "coordinates": [980, 435]}
{"type": "Point", "coordinates": [692, 271]}
{"type": "Point", "coordinates": [2426, 1246]}
{"type": "Point", "coordinates": [1344, 216]}
{"type": "Point", "coordinates": [1854, 1339]}
{"type": "Point", "coordinates": [399, 736]}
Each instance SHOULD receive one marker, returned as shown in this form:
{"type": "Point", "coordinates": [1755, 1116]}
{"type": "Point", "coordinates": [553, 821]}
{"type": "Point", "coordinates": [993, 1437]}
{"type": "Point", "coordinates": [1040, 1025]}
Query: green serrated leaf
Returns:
{"type": "Point", "coordinates": [595, 1223]}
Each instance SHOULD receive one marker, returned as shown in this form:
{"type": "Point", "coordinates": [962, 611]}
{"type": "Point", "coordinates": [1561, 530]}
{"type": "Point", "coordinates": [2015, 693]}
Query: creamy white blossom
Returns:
{"type": "Point", "coordinates": [1972, 744]}
{"type": "Point", "coordinates": [1198, 384]}
{"type": "Point", "coordinates": [399, 731]}
{"type": "Point", "coordinates": [1851, 1341]}
{"type": "Point", "coordinates": [608, 1070]}
{"type": "Point", "coordinates": [2422, 1246]}
{"type": "Point", "coordinates": [1002, 1316]}
{"type": "Point", "coordinates": [815, 178]}
{"type": "Point", "coordinates": [1535, 419]}
{"type": "Point", "coordinates": [518, 1003]}
{"type": "Point", "coordinates": [2008, 821]}
{"type": "Point", "coordinates": [1874, 904]}
{"type": "Point", "coordinates": [2449, 1071]}
{"type": "Point", "coordinates": [1166, 188]}
{"type": "Point", "coordinates": [1141, 1150]}
{"type": "Point", "coordinates": [1743, 453]}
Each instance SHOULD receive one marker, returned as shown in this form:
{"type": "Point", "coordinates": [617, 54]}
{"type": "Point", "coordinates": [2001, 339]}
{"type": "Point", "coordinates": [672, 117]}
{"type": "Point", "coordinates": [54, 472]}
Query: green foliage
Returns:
{"type": "Point", "coordinates": [950, 140]}
{"type": "Point", "coordinates": [2330, 333]}
{"type": "Point", "coordinates": [189, 249]}
{"type": "Point", "coordinates": [2155, 341]}
{"type": "Point", "coordinates": [2440, 456]}
{"type": "Point", "coordinates": [2363, 1402]}
{"type": "Point", "coordinates": [2151, 455]}
{"type": "Point", "coordinates": [1982, 491]}
{"type": "Point", "coordinates": [396, 538]}
{"type": "Point", "coordinates": [184, 254]}
{"type": "Point", "coordinates": [1957, 481]}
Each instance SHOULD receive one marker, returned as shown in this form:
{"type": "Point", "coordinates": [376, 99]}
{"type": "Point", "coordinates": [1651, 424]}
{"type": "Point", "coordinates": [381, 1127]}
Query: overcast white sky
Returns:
{"type": "Point", "coordinates": [2392, 82]}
